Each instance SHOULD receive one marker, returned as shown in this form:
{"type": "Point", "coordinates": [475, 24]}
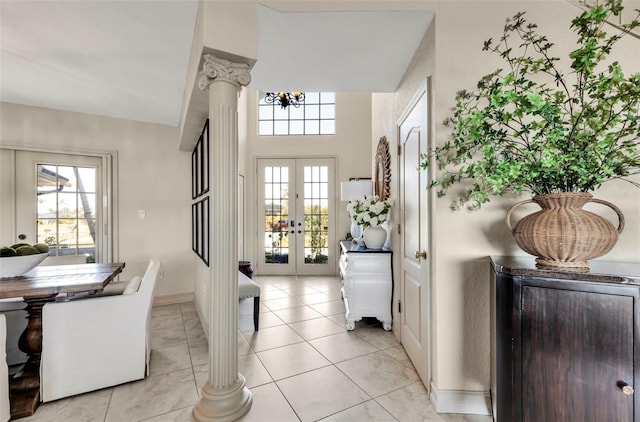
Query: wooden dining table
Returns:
{"type": "Point", "coordinates": [37, 287]}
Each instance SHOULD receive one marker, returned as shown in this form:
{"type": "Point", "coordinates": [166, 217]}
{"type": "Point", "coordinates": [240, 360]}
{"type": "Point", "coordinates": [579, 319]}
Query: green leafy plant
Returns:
{"type": "Point", "coordinates": [534, 128]}
{"type": "Point", "coordinates": [369, 210]}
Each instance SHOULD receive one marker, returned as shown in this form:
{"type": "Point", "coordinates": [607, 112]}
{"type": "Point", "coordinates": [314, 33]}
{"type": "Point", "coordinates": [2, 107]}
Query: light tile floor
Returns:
{"type": "Point", "coordinates": [302, 365]}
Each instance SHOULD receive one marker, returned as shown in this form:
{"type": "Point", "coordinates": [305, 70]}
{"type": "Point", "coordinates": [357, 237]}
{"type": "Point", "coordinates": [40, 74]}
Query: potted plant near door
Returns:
{"type": "Point", "coordinates": [558, 135]}
{"type": "Point", "coordinates": [370, 213]}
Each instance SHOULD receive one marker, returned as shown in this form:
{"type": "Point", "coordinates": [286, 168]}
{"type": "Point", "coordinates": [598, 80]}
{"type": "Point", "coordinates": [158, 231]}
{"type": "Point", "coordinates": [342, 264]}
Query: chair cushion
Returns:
{"type": "Point", "coordinates": [12, 304]}
{"type": "Point", "coordinates": [132, 286]}
{"type": "Point", "coordinates": [247, 287]}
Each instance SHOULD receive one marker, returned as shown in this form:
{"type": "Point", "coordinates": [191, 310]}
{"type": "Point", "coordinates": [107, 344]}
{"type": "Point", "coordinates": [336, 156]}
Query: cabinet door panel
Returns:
{"type": "Point", "coordinates": [575, 347]}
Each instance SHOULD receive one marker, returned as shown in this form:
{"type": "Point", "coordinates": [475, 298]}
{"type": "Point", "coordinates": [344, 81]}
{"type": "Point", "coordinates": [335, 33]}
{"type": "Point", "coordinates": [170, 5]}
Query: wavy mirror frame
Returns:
{"type": "Point", "coordinates": [382, 180]}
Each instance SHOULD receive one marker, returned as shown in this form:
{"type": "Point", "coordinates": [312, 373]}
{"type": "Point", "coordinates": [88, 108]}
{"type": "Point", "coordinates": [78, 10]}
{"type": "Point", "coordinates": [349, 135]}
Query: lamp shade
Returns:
{"type": "Point", "coordinates": [355, 189]}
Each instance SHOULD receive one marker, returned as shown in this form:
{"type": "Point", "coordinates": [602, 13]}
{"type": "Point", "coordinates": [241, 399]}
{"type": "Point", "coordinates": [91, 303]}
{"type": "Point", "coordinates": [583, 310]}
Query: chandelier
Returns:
{"type": "Point", "coordinates": [285, 99]}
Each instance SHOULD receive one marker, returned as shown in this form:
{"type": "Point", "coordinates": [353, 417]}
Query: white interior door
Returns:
{"type": "Point", "coordinates": [414, 273]}
{"type": "Point", "coordinates": [296, 216]}
{"type": "Point", "coordinates": [59, 202]}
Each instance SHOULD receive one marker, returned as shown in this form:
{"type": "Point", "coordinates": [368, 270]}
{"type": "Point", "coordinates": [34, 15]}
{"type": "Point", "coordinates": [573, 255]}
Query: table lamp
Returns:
{"type": "Point", "coordinates": [353, 189]}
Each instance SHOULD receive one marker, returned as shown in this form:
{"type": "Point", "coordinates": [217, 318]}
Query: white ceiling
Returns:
{"type": "Point", "coordinates": [336, 51]}
{"type": "Point", "coordinates": [125, 59]}
{"type": "Point", "coordinates": [128, 59]}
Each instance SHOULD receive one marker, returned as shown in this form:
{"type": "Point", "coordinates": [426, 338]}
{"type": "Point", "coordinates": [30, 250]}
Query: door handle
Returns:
{"type": "Point", "coordinates": [422, 254]}
{"type": "Point", "coordinates": [626, 388]}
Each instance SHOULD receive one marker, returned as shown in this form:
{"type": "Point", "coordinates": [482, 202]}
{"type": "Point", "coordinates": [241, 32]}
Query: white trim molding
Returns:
{"type": "Point", "coordinates": [172, 299]}
{"type": "Point", "coordinates": [458, 401]}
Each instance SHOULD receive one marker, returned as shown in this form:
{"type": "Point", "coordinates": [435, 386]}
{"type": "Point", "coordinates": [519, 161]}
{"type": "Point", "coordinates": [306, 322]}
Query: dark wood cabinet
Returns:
{"type": "Point", "coordinates": [564, 345]}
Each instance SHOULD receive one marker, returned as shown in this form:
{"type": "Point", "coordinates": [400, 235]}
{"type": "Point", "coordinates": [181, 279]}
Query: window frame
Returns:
{"type": "Point", "coordinates": [307, 120]}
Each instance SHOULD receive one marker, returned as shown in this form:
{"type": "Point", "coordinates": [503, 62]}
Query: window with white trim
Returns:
{"type": "Point", "coordinates": [316, 115]}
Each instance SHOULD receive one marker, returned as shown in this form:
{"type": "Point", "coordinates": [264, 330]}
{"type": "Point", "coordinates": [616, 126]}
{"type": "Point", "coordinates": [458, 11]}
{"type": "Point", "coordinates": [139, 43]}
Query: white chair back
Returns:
{"type": "Point", "coordinates": [96, 343]}
{"type": "Point", "coordinates": [5, 413]}
{"type": "Point", "coordinates": [64, 260]}
{"type": "Point", "coordinates": [147, 290]}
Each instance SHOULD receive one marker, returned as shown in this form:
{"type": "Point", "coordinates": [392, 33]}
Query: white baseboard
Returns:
{"type": "Point", "coordinates": [465, 402]}
{"type": "Point", "coordinates": [171, 299]}
{"type": "Point", "coordinates": [203, 321]}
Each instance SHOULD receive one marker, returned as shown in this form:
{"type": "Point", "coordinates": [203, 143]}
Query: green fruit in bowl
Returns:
{"type": "Point", "coordinates": [7, 251]}
{"type": "Point", "coordinates": [27, 250]}
{"type": "Point", "coordinates": [42, 247]}
{"type": "Point", "coordinates": [17, 245]}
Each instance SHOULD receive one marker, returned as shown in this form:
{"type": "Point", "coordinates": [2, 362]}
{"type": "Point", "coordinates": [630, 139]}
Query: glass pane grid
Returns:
{"type": "Point", "coordinates": [315, 116]}
{"type": "Point", "coordinates": [316, 215]}
{"type": "Point", "coordinates": [65, 204]}
{"type": "Point", "coordinates": [276, 209]}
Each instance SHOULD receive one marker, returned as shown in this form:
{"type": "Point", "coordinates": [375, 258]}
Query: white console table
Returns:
{"type": "Point", "coordinates": [367, 283]}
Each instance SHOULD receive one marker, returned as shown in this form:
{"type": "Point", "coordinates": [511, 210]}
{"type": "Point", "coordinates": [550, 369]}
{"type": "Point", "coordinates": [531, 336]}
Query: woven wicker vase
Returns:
{"type": "Point", "coordinates": [562, 234]}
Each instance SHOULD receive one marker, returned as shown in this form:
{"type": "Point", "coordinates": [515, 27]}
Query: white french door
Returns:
{"type": "Point", "coordinates": [59, 201]}
{"type": "Point", "coordinates": [296, 234]}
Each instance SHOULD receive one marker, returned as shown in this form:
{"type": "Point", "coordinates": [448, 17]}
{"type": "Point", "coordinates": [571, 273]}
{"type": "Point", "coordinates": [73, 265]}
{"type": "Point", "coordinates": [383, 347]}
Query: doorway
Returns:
{"type": "Point", "coordinates": [61, 200]}
{"type": "Point", "coordinates": [296, 221]}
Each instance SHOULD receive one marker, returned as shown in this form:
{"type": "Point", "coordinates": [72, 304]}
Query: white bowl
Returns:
{"type": "Point", "coordinates": [14, 266]}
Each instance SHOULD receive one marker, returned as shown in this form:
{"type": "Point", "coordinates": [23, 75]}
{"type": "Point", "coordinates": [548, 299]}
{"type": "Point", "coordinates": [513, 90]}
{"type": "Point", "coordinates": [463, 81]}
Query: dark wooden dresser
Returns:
{"type": "Point", "coordinates": [564, 345]}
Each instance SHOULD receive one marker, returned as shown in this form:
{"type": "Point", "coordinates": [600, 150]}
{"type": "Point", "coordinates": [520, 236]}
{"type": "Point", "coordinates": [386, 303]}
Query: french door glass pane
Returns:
{"type": "Point", "coordinates": [276, 218]}
{"type": "Point", "coordinates": [316, 215]}
{"type": "Point", "coordinates": [66, 204]}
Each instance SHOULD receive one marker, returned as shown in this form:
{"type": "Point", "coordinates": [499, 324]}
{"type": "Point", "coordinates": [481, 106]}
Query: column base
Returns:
{"type": "Point", "coordinates": [223, 405]}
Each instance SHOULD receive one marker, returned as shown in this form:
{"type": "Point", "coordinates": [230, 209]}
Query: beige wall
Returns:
{"type": "Point", "coordinates": [464, 239]}
{"type": "Point", "coordinates": [152, 175]}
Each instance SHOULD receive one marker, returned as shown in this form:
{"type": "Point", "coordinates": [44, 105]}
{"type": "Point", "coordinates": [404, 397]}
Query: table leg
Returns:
{"type": "Point", "coordinates": [25, 385]}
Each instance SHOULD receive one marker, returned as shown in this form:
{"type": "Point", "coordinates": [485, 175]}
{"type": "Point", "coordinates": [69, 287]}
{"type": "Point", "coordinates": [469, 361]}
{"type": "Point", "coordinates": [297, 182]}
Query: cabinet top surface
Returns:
{"type": "Point", "coordinates": [348, 246]}
{"type": "Point", "coordinates": [602, 271]}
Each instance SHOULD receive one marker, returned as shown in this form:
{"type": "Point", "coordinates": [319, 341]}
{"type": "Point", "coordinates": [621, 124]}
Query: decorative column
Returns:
{"type": "Point", "coordinates": [225, 396]}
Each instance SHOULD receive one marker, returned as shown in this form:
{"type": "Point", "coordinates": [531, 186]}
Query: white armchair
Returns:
{"type": "Point", "coordinates": [4, 373]}
{"type": "Point", "coordinates": [96, 343]}
{"type": "Point", "coordinates": [16, 316]}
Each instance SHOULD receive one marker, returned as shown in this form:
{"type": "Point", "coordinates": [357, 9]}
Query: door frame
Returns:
{"type": "Point", "coordinates": [425, 301]}
{"type": "Point", "coordinates": [109, 177]}
{"type": "Point", "coordinates": [332, 269]}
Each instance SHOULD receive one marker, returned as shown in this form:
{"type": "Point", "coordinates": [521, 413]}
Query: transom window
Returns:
{"type": "Point", "coordinates": [315, 116]}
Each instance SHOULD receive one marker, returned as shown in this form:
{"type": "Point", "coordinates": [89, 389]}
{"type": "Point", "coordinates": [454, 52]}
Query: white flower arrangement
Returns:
{"type": "Point", "coordinates": [369, 211]}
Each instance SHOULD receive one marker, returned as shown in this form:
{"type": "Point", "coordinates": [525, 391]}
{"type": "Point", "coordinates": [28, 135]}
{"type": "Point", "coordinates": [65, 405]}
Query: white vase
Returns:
{"type": "Point", "coordinates": [356, 230]}
{"type": "Point", "coordinates": [374, 237]}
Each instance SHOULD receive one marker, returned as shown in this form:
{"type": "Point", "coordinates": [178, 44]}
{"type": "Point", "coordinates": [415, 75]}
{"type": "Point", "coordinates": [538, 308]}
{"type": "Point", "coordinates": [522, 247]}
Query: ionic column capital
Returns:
{"type": "Point", "coordinates": [215, 68]}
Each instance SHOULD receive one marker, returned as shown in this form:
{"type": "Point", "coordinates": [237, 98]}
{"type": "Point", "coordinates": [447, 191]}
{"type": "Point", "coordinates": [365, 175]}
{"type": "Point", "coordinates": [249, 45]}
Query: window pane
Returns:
{"type": "Point", "coordinates": [312, 111]}
{"type": "Point", "coordinates": [296, 113]}
{"type": "Point", "coordinates": [328, 111]}
{"type": "Point", "coordinates": [265, 112]}
{"type": "Point", "coordinates": [296, 127]}
{"type": "Point", "coordinates": [311, 127]}
{"type": "Point", "coordinates": [324, 174]}
{"type": "Point", "coordinates": [86, 204]}
{"type": "Point", "coordinates": [266, 128]}
{"type": "Point", "coordinates": [328, 97]}
{"type": "Point", "coordinates": [311, 97]}
{"type": "Point", "coordinates": [280, 128]}
{"type": "Point", "coordinates": [328, 127]}
{"type": "Point", "coordinates": [280, 113]}
{"type": "Point", "coordinates": [87, 179]}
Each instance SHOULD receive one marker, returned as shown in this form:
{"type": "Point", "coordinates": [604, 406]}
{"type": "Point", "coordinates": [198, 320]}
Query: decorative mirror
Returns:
{"type": "Point", "coordinates": [382, 181]}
